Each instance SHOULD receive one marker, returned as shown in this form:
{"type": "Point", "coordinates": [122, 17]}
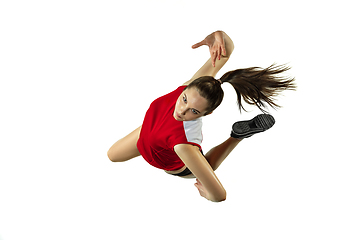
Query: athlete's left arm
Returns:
{"type": "Point", "coordinates": [208, 184]}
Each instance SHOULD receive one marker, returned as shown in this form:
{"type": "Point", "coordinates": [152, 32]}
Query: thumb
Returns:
{"type": "Point", "coordinates": [198, 44]}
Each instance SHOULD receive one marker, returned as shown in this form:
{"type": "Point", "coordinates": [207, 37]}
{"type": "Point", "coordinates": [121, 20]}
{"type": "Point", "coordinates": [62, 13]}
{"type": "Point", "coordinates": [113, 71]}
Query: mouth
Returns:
{"type": "Point", "coordinates": [177, 115]}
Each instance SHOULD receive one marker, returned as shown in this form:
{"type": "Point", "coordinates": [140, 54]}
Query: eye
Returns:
{"type": "Point", "coordinates": [194, 111]}
{"type": "Point", "coordinates": [184, 98]}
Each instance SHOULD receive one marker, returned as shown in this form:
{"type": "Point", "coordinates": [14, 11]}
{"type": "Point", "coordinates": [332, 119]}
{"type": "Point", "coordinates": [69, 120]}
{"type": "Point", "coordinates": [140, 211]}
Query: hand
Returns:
{"type": "Point", "coordinates": [216, 44]}
{"type": "Point", "coordinates": [203, 192]}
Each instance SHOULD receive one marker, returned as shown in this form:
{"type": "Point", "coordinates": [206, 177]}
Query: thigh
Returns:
{"type": "Point", "coordinates": [125, 149]}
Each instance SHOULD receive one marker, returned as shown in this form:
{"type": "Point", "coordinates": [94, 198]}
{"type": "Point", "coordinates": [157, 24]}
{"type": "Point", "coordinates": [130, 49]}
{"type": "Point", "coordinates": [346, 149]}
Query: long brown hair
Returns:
{"type": "Point", "coordinates": [257, 86]}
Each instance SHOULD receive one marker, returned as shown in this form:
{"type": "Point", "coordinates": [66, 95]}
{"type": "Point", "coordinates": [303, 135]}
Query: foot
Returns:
{"type": "Point", "coordinates": [245, 129]}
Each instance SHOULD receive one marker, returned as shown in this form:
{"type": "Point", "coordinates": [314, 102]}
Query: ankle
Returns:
{"type": "Point", "coordinates": [234, 139]}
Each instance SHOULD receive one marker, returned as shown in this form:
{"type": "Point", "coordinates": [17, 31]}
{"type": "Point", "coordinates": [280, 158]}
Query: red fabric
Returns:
{"type": "Point", "coordinates": [160, 132]}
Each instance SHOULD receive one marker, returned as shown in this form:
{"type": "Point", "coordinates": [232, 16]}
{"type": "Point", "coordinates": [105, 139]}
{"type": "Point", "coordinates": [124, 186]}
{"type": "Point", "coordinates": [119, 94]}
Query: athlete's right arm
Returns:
{"type": "Point", "coordinates": [208, 184]}
{"type": "Point", "coordinates": [220, 46]}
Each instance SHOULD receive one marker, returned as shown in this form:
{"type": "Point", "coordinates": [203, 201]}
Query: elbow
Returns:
{"type": "Point", "coordinates": [111, 156]}
{"type": "Point", "coordinates": [220, 197]}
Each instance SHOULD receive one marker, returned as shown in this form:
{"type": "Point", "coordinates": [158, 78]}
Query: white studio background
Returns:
{"type": "Point", "coordinates": [76, 76]}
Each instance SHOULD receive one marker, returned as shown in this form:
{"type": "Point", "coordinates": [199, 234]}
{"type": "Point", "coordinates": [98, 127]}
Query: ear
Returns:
{"type": "Point", "coordinates": [208, 113]}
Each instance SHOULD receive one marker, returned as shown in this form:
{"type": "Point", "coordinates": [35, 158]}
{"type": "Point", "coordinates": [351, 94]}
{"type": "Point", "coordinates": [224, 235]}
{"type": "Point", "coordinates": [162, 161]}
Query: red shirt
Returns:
{"type": "Point", "coordinates": [160, 132]}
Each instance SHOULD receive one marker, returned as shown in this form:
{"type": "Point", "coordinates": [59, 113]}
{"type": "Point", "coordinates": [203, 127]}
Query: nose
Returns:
{"type": "Point", "coordinates": [182, 111]}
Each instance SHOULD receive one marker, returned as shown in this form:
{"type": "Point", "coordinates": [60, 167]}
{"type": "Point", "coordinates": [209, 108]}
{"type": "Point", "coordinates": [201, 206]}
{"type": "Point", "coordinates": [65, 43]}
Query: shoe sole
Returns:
{"type": "Point", "coordinates": [260, 123]}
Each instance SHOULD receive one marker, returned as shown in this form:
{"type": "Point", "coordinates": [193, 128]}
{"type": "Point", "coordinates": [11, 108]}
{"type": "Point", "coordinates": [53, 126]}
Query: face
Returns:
{"type": "Point", "coordinates": [190, 105]}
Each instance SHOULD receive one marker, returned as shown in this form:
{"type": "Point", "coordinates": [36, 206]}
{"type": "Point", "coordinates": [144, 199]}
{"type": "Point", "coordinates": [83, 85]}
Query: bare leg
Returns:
{"type": "Point", "coordinates": [218, 154]}
{"type": "Point", "coordinates": [125, 149]}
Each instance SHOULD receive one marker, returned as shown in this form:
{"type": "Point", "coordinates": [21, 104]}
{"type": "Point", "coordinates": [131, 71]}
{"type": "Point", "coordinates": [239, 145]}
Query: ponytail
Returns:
{"type": "Point", "coordinates": [258, 86]}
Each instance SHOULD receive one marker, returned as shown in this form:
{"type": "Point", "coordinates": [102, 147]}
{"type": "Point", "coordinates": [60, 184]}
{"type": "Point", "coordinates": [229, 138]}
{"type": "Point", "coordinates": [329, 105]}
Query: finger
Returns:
{"type": "Point", "coordinates": [198, 44]}
{"type": "Point", "coordinates": [217, 51]}
{"type": "Point", "coordinates": [217, 56]}
{"type": "Point", "coordinates": [198, 184]}
{"type": "Point", "coordinates": [213, 58]}
{"type": "Point", "coordinates": [200, 189]}
{"type": "Point", "coordinates": [223, 51]}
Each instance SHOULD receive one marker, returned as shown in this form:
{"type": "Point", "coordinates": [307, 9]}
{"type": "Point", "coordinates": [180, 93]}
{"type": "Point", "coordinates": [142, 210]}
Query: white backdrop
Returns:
{"type": "Point", "coordinates": [76, 76]}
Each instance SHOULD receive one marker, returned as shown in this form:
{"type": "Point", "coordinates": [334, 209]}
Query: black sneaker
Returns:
{"type": "Point", "coordinates": [245, 129]}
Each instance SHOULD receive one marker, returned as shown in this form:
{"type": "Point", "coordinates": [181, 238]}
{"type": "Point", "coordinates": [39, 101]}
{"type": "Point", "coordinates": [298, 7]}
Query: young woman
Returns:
{"type": "Point", "coordinates": [170, 135]}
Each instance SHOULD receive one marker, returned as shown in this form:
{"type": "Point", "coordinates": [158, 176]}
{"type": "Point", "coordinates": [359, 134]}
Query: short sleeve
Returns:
{"type": "Point", "coordinates": [193, 131]}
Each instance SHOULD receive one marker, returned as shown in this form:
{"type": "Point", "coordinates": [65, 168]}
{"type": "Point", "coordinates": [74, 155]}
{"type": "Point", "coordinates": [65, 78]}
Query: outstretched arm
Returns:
{"type": "Point", "coordinates": [208, 184]}
{"type": "Point", "coordinates": [220, 47]}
